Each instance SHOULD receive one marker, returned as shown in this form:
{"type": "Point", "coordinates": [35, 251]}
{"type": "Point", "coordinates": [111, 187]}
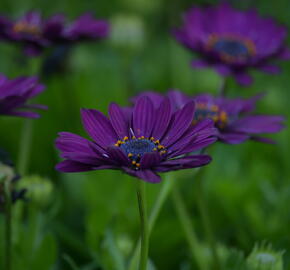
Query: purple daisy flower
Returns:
{"type": "Point", "coordinates": [232, 41]}
{"type": "Point", "coordinates": [86, 27]}
{"type": "Point", "coordinates": [234, 118]}
{"type": "Point", "coordinates": [37, 33]}
{"type": "Point", "coordinates": [15, 93]}
{"type": "Point", "coordinates": [141, 141]}
{"type": "Point", "coordinates": [32, 30]}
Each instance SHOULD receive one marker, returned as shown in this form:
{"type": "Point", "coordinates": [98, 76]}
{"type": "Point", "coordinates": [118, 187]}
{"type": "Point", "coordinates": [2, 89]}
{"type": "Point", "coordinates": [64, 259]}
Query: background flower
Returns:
{"type": "Point", "coordinates": [35, 32]}
{"type": "Point", "coordinates": [232, 41]}
{"type": "Point", "coordinates": [142, 141]}
{"type": "Point", "coordinates": [15, 93]}
{"type": "Point", "coordinates": [234, 118]}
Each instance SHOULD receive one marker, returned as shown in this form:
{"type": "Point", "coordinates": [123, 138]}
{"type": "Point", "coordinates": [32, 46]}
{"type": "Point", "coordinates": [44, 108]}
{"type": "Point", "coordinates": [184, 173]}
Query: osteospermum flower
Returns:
{"type": "Point", "coordinates": [141, 141]}
{"type": "Point", "coordinates": [36, 33]}
{"type": "Point", "coordinates": [15, 93]}
{"type": "Point", "coordinates": [232, 41]}
{"type": "Point", "coordinates": [234, 118]}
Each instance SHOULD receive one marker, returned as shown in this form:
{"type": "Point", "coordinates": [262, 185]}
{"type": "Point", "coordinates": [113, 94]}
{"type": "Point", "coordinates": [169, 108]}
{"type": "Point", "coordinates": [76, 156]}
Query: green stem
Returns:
{"type": "Point", "coordinates": [141, 195]}
{"type": "Point", "coordinates": [161, 198]}
{"type": "Point", "coordinates": [25, 146]}
{"type": "Point", "coordinates": [187, 226]}
{"type": "Point", "coordinates": [7, 224]}
{"type": "Point", "coordinates": [205, 217]}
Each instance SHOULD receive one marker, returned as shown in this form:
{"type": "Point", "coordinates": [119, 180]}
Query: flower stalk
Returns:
{"type": "Point", "coordinates": [8, 223]}
{"type": "Point", "coordinates": [141, 196]}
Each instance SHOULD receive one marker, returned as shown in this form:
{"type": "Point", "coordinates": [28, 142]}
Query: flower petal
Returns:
{"type": "Point", "coordinates": [118, 120]}
{"type": "Point", "coordinates": [98, 127]}
{"type": "Point", "coordinates": [143, 117]}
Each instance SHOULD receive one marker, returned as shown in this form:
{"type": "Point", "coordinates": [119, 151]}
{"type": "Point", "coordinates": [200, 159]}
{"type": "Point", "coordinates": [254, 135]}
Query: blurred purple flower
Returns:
{"type": "Point", "coordinates": [141, 141]}
{"type": "Point", "coordinates": [36, 33]}
{"type": "Point", "coordinates": [234, 118]}
{"type": "Point", "coordinates": [15, 93]}
{"type": "Point", "coordinates": [232, 41]}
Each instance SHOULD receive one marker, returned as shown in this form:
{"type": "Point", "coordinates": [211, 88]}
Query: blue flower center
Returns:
{"type": "Point", "coordinates": [206, 111]}
{"type": "Point", "coordinates": [135, 148]}
{"type": "Point", "coordinates": [138, 147]}
{"type": "Point", "coordinates": [231, 48]}
{"type": "Point", "coordinates": [23, 27]}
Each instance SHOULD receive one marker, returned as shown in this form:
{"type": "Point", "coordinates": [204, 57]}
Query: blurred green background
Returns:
{"type": "Point", "coordinates": [90, 220]}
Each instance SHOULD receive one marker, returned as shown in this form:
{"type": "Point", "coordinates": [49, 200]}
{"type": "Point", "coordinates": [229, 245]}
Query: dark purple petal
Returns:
{"type": "Point", "coordinates": [184, 163]}
{"type": "Point", "coordinates": [117, 156]}
{"type": "Point", "coordinates": [258, 124]}
{"type": "Point", "coordinates": [150, 160]}
{"type": "Point", "coordinates": [118, 120]}
{"type": "Point", "coordinates": [99, 127]}
{"type": "Point", "coordinates": [182, 120]}
{"type": "Point", "coordinates": [143, 117]}
{"type": "Point", "coordinates": [243, 78]}
{"type": "Point", "coordinates": [146, 175]}
{"type": "Point", "coordinates": [163, 117]}
{"type": "Point", "coordinates": [73, 166]}
{"type": "Point", "coordinates": [233, 138]}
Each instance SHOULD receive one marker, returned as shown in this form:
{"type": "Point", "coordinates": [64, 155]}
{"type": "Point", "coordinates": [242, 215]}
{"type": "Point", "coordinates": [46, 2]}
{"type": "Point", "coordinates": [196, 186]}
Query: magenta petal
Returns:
{"type": "Point", "coordinates": [98, 127]}
{"type": "Point", "coordinates": [118, 120]}
{"type": "Point", "coordinates": [143, 117]}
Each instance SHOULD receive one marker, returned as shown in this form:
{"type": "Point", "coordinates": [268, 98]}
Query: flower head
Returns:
{"type": "Point", "coordinates": [15, 93]}
{"type": "Point", "coordinates": [36, 33]}
{"type": "Point", "coordinates": [141, 141]}
{"type": "Point", "coordinates": [232, 41]}
{"type": "Point", "coordinates": [234, 118]}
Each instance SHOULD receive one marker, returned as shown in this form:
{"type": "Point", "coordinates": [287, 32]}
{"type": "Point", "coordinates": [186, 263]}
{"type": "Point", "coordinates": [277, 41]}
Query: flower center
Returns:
{"type": "Point", "coordinates": [135, 148]}
{"type": "Point", "coordinates": [231, 48]}
{"type": "Point", "coordinates": [22, 27]}
{"type": "Point", "coordinates": [205, 111]}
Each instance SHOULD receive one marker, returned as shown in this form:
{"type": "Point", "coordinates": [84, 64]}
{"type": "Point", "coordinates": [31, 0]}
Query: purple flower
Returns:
{"type": "Point", "coordinates": [36, 33]}
{"type": "Point", "coordinates": [232, 41]}
{"type": "Point", "coordinates": [234, 118]}
{"type": "Point", "coordinates": [15, 93]}
{"type": "Point", "coordinates": [141, 141]}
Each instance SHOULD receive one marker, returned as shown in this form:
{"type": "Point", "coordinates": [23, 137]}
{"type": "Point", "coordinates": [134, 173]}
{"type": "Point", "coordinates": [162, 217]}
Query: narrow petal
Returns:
{"type": "Point", "coordinates": [118, 120]}
{"type": "Point", "coordinates": [73, 166]}
{"type": "Point", "coordinates": [98, 127]}
{"type": "Point", "coordinates": [117, 156]}
{"type": "Point", "coordinates": [258, 124]}
{"type": "Point", "coordinates": [184, 163]}
{"type": "Point", "coordinates": [182, 120]}
{"type": "Point", "coordinates": [163, 117]}
{"type": "Point", "coordinates": [233, 138]}
{"type": "Point", "coordinates": [143, 117]}
{"type": "Point", "coordinates": [146, 175]}
{"type": "Point", "coordinates": [150, 160]}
